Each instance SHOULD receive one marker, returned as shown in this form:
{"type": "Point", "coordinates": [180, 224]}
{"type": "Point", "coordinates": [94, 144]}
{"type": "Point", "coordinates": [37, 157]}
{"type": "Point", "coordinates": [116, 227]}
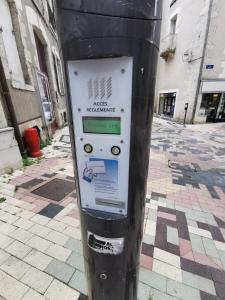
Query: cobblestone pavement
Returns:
{"type": "Point", "coordinates": [183, 253]}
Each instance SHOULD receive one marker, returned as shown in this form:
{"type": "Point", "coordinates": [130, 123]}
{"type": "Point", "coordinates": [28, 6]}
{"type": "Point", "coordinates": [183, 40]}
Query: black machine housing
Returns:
{"type": "Point", "coordinates": [103, 29]}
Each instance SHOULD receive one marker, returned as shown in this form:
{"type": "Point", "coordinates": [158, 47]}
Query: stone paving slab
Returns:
{"type": "Point", "coordinates": [183, 252]}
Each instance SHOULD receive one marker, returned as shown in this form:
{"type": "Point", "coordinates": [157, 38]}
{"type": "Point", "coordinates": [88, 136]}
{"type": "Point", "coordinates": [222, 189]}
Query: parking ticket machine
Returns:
{"type": "Point", "coordinates": [102, 122]}
{"type": "Point", "coordinates": [110, 51]}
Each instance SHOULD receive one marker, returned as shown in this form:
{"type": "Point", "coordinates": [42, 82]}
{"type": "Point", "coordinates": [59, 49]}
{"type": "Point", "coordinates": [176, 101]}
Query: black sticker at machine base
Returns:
{"type": "Point", "coordinates": [105, 245]}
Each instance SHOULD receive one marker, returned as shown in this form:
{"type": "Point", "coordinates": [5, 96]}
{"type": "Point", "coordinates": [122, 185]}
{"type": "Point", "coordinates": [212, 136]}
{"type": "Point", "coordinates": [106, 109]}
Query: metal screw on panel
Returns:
{"type": "Point", "coordinates": [103, 276]}
{"type": "Point", "coordinates": [121, 141]}
{"type": "Point", "coordinates": [81, 139]}
{"type": "Point", "coordinates": [122, 71]}
{"type": "Point", "coordinates": [79, 109]}
{"type": "Point", "coordinates": [122, 110]}
{"type": "Point", "coordinates": [76, 73]}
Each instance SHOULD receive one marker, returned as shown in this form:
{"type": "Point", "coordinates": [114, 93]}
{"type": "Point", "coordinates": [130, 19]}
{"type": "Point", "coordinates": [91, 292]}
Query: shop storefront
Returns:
{"type": "Point", "coordinates": [167, 103]}
{"type": "Point", "coordinates": [213, 101]}
{"type": "Point", "coordinates": [214, 107]}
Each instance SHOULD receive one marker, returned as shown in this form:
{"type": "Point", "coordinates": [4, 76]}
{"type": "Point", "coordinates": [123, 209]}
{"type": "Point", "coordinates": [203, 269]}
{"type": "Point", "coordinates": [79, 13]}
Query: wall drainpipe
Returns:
{"type": "Point", "coordinates": [202, 62]}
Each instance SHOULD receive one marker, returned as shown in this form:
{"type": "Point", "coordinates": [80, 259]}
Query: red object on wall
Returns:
{"type": "Point", "coordinates": [33, 142]}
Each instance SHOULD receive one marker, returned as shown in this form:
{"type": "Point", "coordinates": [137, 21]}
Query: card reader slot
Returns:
{"type": "Point", "coordinates": [111, 203]}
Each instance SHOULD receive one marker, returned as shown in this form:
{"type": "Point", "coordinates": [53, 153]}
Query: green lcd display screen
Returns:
{"type": "Point", "coordinates": [102, 125]}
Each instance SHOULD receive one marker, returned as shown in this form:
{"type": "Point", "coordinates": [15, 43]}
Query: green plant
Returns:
{"type": "Point", "coordinates": [45, 143]}
{"type": "Point", "coordinates": [27, 162]}
{"type": "Point", "coordinates": [2, 199]}
{"type": "Point", "coordinates": [49, 141]}
{"type": "Point", "coordinates": [42, 144]}
{"type": "Point", "coordinates": [25, 156]}
{"type": "Point", "coordinates": [168, 54]}
{"type": "Point", "coordinates": [9, 171]}
{"type": "Point", "coordinates": [39, 159]}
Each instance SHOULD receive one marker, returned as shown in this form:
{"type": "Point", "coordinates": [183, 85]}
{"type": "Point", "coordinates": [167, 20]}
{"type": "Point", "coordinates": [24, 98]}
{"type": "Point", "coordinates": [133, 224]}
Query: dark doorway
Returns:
{"type": "Point", "coordinates": [43, 81]}
{"type": "Point", "coordinates": [214, 105]}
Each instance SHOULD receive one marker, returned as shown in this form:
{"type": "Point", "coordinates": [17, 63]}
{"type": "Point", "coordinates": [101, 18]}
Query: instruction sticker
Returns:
{"type": "Point", "coordinates": [102, 174]}
{"type": "Point", "coordinates": [98, 167]}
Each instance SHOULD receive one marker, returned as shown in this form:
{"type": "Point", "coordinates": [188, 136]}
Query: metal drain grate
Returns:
{"type": "Point", "coordinates": [56, 189]}
{"type": "Point", "coordinates": [30, 184]}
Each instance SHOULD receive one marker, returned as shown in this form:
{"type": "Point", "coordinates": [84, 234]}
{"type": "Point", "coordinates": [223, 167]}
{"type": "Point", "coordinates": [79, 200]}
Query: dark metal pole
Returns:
{"type": "Point", "coordinates": [185, 114]}
{"type": "Point", "coordinates": [106, 29]}
{"type": "Point", "coordinates": [202, 61]}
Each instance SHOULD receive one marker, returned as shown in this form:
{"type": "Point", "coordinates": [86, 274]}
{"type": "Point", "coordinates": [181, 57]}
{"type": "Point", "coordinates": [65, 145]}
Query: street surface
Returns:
{"type": "Point", "coordinates": [183, 253]}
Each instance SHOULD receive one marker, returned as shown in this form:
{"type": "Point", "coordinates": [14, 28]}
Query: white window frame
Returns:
{"type": "Point", "coordinates": [58, 73]}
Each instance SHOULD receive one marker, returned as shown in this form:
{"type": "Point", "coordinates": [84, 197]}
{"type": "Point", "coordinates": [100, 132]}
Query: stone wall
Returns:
{"type": "Point", "coordinates": [180, 74]}
{"type": "Point", "coordinates": [18, 20]}
{"type": "Point", "coordinates": [215, 50]}
{"type": "Point", "coordinates": [9, 151]}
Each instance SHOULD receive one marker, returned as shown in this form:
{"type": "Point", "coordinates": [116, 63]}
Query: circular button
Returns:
{"type": "Point", "coordinates": [88, 148]}
{"type": "Point", "coordinates": [115, 150]}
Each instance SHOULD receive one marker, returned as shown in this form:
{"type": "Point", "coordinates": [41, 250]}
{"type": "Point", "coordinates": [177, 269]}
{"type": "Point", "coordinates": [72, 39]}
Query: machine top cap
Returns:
{"type": "Point", "coordinates": [134, 9]}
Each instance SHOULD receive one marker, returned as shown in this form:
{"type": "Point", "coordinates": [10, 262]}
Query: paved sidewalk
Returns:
{"type": "Point", "coordinates": [183, 253]}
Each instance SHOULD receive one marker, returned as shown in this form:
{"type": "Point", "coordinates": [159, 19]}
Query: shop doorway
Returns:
{"type": "Point", "coordinates": [214, 106]}
{"type": "Point", "coordinates": [167, 103]}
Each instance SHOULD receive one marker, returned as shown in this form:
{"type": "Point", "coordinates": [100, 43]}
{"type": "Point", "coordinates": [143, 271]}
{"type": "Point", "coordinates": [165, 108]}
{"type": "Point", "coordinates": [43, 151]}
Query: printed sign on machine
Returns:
{"type": "Point", "coordinates": [101, 105]}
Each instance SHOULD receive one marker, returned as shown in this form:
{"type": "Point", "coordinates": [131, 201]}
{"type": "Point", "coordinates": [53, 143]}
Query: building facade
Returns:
{"type": "Point", "coordinates": [191, 69]}
{"type": "Point", "coordinates": [32, 86]}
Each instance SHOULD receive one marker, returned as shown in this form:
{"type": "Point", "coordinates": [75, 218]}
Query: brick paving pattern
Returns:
{"type": "Point", "coordinates": [184, 238]}
{"type": "Point", "coordinates": [183, 251]}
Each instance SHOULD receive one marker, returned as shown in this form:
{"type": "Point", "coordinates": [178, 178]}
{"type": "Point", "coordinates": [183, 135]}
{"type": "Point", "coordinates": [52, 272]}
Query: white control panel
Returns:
{"type": "Point", "coordinates": [101, 93]}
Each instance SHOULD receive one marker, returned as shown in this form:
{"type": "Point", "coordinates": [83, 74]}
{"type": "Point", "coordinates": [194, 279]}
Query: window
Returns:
{"type": "Point", "coordinates": [41, 53]}
{"type": "Point", "coordinates": [167, 104]}
{"type": "Point", "coordinates": [173, 25]}
{"type": "Point", "coordinates": [172, 35]}
{"type": "Point", "coordinates": [58, 73]}
{"type": "Point", "coordinates": [51, 15]}
{"type": "Point", "coordinates": [210, 101]}
{"type": "Point", "coordinates": [221, 108]}
{"type": "Point", "coordinates": [19, 41]}
{"type": "Point", "coordinates": [46, 99]}
{"type": "Point", "coordinates": [211, 107]}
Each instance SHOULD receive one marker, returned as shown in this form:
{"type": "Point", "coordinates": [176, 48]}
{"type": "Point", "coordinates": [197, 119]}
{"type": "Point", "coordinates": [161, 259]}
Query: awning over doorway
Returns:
{"type": "Point", "coordinates": [217, 86]}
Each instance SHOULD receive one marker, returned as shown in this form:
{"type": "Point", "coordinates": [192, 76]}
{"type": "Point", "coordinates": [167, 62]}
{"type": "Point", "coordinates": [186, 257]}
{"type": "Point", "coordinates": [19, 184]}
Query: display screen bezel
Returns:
{"type": "Point", "coordinates": [94, 118]}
